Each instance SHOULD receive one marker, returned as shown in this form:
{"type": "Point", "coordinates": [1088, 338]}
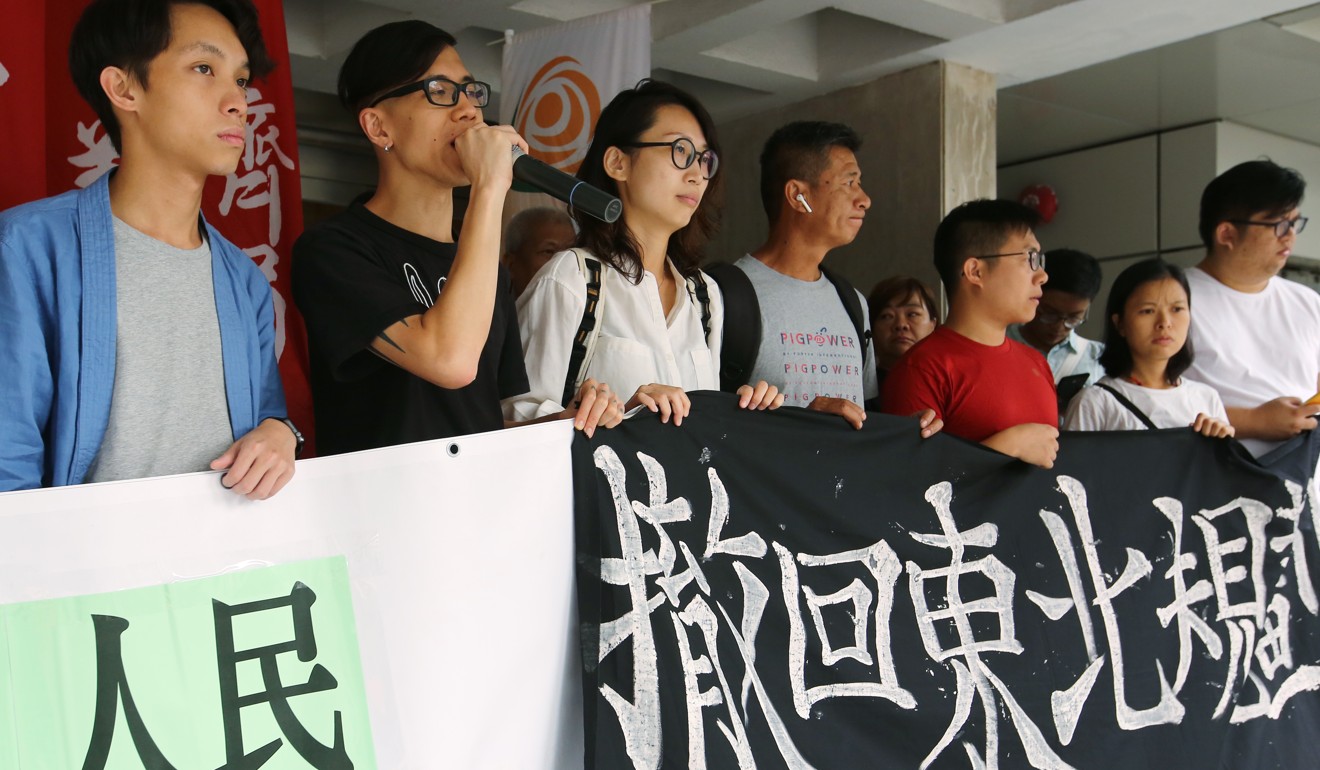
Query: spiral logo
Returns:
{"type": "Point", "coordinates": [557, 113]}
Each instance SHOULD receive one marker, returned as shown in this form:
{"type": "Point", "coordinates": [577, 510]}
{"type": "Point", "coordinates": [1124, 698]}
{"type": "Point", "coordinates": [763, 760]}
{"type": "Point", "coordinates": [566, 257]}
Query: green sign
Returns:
{"type": "Point", "coordinates": [254, 669]}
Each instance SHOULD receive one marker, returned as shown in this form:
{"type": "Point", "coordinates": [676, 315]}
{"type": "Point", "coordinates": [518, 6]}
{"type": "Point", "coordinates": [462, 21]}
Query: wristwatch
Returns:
{"type": "Point", "coordinates": [297, 435]}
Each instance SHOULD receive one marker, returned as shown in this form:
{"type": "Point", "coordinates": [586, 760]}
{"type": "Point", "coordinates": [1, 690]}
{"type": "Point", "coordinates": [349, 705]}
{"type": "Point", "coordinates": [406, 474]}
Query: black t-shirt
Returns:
{"type": "Point", "coordinates": [354, 275]}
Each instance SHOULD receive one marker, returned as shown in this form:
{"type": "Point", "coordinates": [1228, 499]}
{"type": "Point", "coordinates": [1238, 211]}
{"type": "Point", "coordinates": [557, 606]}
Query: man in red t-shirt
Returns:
{"type": "Point", "coordinates": [986, 387]}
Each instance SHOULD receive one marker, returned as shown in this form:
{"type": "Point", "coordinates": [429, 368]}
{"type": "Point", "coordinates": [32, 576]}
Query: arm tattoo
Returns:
{"type": "Point", "coordinates": [390, 342]}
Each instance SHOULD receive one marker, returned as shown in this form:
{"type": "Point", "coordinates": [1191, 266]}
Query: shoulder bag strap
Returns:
{"type": "Point", "coordinates": [742, 325]}
{"type": "Point", "coordinates": [1131, 407]}
{"type": "Point", "coordinates": [851, 303]}
{"type": "Point", "coordinates": [584, 340]}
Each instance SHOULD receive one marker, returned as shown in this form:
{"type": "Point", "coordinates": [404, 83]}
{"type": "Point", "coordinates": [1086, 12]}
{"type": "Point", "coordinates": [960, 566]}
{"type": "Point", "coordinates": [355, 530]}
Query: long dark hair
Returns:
{"type": "Point", "coordinates": [1117, 356]}
{"type": "Point", "coordinates": [624, 120]}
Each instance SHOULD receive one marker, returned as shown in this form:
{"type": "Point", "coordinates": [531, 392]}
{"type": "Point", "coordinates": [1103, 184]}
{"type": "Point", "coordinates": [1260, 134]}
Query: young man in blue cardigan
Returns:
{"type": "Point", "coordinates": [136, 340]}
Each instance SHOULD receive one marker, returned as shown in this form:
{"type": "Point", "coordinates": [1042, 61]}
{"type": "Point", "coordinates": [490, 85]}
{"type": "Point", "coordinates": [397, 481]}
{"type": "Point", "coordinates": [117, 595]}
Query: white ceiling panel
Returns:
{"type": "Point", "coordinates": [1075, 72]}
{"type": "Point", "coordinates": [1257, 74]}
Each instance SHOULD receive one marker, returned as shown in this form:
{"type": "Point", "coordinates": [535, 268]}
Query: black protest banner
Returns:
{"type": "Point", "coordinates": [776, 590]}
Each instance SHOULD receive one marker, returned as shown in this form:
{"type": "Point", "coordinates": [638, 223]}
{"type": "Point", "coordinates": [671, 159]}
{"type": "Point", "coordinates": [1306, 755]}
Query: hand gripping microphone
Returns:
{"type": "Point", "coordinates": [571, 190]}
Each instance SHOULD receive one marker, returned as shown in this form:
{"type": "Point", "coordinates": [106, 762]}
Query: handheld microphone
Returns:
{"type": "Point", "coordinates": [571, 190]}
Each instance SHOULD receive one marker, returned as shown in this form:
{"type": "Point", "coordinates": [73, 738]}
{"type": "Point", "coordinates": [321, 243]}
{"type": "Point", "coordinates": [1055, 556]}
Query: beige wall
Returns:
{"type": "Point", "coordinates": [1107, 197]}
{"type": "Point", "coordinates": [928, 143]}
{"type": "Point", "coordinates": [1143, 195]}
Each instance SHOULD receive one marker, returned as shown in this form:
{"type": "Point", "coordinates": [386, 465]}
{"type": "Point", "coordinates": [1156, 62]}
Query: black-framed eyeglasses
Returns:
{"type": "Point", "coordinates": [1035, 257]}
{"type": "Point", "coordinates": [1071, 321]}
{"type": "Point", "coordinates": [1281, 226]}
{"type": "Point", "coordinates": [442, 92]}
{"type": "Point", "coordinates": [683, 152]}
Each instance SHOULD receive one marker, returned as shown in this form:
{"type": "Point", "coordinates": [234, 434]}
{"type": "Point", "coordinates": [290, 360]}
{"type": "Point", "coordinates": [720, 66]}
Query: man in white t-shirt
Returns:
{"type": "Point", "coordinates": [1256, 336]}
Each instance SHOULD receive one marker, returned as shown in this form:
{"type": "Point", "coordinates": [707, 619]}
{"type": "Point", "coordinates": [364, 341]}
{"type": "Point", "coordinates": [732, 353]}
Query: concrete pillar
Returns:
{"type": "Point", "coordinates": [928, 144]}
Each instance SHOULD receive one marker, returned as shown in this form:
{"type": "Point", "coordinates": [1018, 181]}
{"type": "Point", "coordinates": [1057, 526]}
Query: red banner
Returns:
{"type": "Point", "coordinates": [54, 142]}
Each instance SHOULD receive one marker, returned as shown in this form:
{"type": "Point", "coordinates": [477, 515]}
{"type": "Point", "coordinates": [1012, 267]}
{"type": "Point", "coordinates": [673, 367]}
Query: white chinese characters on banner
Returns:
{"type": "Point", "coordinates": [259, 185]}
{"type": "Point", "coordinates": [254, 185]}
{"type": "Point", "coordinates": [99, 155]}
{"type": "Point", "coordinates": [4, 74]}
{"type": "Point", "coordinates": [639, 718]}
{"type": "Point", "coordinates": [1241, 619]}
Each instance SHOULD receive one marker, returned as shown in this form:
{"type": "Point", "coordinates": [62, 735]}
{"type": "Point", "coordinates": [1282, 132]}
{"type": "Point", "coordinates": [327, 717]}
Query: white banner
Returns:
{"type": "Point", "coordinates": [458, 558]}
{"type": "Point", "coordinates": [557, 79]}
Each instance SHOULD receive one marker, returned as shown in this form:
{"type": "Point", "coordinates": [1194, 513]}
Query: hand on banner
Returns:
{"type": "Point", "coordinates": [1275, 420]}
{"type": "Point", "coordinates": [1209, 426]}
{"type": "Point", "coordinates": [1030, 442]}
{"type": "Point", "coordinates": [261, 462]}
{"type": "Point", "coordinates": [929, 422]}
{"type": "Point", "coordinates": [851, 413]}
{"type": "Point", "coordinates": [668, 400]}
{"type": "Point", "coordinates": [595, 405]}
{"type": "Point", "coordinates": [485, 154]}
{"type": "Point", "coordinates": [762, 395]}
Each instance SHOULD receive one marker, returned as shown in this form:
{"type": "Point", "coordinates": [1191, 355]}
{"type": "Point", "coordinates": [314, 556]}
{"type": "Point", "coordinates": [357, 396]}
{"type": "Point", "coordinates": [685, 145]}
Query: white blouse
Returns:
{"type": "Point", "coordinates": [638, 343]}
{"type": "Point", "coordinates": [1176, 407]}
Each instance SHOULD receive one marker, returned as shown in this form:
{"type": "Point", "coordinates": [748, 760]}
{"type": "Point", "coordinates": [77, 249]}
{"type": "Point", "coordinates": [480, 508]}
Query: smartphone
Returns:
{"type": "Point", "coordinates": [1067, 388]}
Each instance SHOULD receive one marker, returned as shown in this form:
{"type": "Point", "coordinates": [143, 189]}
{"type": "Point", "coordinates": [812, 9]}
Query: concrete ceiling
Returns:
{"type": "Point", "coordinates": [745, 56]}
{"type": "Point", "coordinates": [1264, 74]}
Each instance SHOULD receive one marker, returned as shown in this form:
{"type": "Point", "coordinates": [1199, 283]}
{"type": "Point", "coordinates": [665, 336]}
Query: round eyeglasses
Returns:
{"type": "Point", "coordinates": [442, 92]}
{"type": "Point", "coordinates": [1035, 257]}
{"type": "Point", "coordinates": [684, 153]}
{"type": "Point", "coordinates": [1281, 226]}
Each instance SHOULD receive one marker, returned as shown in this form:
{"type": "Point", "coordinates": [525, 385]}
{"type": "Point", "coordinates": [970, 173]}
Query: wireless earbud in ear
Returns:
{"type": "Point", "coordinates": [804, 203]}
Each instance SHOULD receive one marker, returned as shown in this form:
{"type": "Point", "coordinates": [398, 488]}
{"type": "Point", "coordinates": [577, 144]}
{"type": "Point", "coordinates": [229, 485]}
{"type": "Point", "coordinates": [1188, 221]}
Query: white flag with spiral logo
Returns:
{"type": "Point", "coordinates": [557, 79]}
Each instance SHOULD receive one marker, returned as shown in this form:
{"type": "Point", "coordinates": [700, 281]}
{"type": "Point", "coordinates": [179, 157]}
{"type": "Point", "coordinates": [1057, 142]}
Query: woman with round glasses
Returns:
{"type": "Point", "coordinates": [413, 333]}
{"type": "Point", "coordinates": [654, 331]}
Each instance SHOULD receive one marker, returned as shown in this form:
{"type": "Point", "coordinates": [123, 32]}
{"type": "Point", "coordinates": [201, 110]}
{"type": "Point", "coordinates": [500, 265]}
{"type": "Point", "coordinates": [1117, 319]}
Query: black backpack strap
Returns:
{"type": "Point", "coordinates": [742, 325]}
{"type": "Point", "coordinates": [587, 330]}
{"type": "Point", "coordinates": [1131, 407]}
{"type": "Point", "coordinates": [853, 304]}
{"type": "Point", "coordinates": [701, 294]}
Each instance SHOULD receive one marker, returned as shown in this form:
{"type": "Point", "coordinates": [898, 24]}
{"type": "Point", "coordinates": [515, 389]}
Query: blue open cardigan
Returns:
{"type": "Point", "coordinates": [58, 332]}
